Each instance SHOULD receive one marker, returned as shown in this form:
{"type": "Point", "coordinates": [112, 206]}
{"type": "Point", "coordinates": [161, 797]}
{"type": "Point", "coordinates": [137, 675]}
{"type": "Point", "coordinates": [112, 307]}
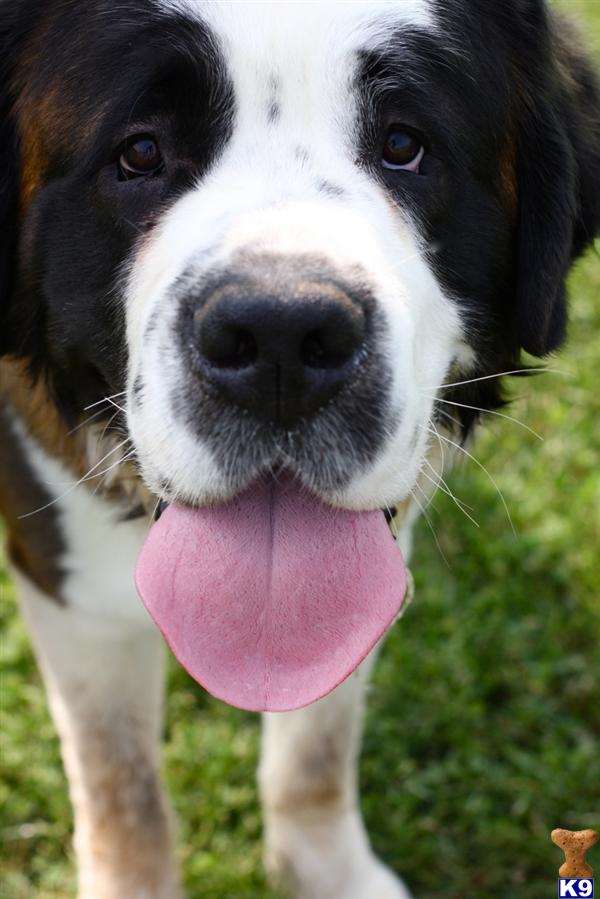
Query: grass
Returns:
{"type": "Point", "coordinates": [484, 722]}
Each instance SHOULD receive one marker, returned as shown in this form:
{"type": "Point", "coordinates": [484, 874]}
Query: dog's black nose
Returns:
{"type": "Point", "coordinates": [281, 354]}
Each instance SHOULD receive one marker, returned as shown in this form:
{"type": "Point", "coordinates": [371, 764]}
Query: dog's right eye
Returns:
{"type": "Point", "coordinates": [140, 156]}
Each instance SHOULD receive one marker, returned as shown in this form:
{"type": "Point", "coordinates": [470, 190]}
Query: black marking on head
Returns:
{"type": "Point", "coordinates": [301, 154]}
{"type": "Point", "coordinates": [166, 487]}
{"type": "Point", "coordinates": [330, 189]}
{"type": "Point", "coordinates": [273, 105]}
{"type": "Point", "coordinates": [138, 388]}
{"type": "Point", "coordinates": [273, 112]}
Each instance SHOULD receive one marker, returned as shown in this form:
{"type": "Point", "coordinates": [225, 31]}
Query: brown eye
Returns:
{"type": "Point", "coordinates": [140, 156]}
{"type": "Point", "coordinates": [402, 150]}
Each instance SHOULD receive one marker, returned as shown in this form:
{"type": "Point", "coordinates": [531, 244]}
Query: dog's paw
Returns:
{"type": "Point", "coordinates": [378, 882]}
{"type": "Point", "coordinates": [327, 860]}
{"type": "Point", "coordinates": [115, 890]}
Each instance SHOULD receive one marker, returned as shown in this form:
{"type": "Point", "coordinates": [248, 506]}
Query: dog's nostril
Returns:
{"type": "Point", "coordinates": [321, 349]}
{"type": "Point", "coordinates": [228, 347]}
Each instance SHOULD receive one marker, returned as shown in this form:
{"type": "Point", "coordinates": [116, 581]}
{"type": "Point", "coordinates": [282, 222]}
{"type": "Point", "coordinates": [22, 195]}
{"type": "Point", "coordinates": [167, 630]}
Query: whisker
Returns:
{"type": "Point", "coordinates": [105, 399]}
{"type": "Point", "coordinates": [85, 422]}
{"type": "Point", "coordinates": [449, 420]}
{"type": "Point", "coordinates": [443, 485]}
{"type": "Point", "coordinates": [120, 461]}
{"type": "Point", "coordinates": [76, 484]}
{"type": "Point", "coordinates": [116, 464]}
{"type": "Point", "coordinates": [116, 406]}
{"type": "Point", "coordinates": [416, 255]}
{"type": "Point", "coordinates": [132, 224]}
{"type": "Point", "coordinates": [430, 526]}
{"type": "Point", "coordinates": [492, 412]}
{"type": "Point", "coordinates": [105, 471]}
{"type": "Point", "coordinates": [484, 469]}
{"type": "Point", "coordinates": [107, 426]}
{"type": "Point", "coordinates": [502, 374]}
{"type": "Point", "coordinates": [457, 502]}
{"type": "Point", "coordinates": [441, 445]}
{"type": "Point", "coordinates": [428, 497]}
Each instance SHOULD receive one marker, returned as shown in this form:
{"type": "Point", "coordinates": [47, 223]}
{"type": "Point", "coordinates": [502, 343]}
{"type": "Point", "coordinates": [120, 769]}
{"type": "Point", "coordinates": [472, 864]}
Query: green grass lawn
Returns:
{"type": "Point", "coordinates": [483, 730]}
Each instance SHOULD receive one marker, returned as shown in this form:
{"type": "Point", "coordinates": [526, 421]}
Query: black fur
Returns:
{"type": "Point", "coordinates": [9, 172]}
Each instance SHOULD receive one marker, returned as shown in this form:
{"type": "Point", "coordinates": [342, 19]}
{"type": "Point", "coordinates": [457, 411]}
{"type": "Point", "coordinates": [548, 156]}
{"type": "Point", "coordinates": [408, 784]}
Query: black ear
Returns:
{"type": "Point", "coordinates": [558, 175]}
{"type": "Point", "coordinates": [9, 176]}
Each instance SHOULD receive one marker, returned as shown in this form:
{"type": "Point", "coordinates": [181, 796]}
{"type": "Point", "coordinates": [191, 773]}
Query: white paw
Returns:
{"type": "Point", "coordinates": [378, 882]}
{"type": "Point", "coordinates": [328, 857]}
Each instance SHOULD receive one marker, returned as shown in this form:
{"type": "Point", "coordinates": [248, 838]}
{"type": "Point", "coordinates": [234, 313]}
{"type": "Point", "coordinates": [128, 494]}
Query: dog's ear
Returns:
{"type": "Point", "coordinates": [9, 177]}
{"type": "Point", "coordinates": [557, 170]}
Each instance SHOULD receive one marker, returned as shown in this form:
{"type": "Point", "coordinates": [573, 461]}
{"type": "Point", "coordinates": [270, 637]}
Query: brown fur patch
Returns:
{"type": "Point", "coordinates": [127, 828]}
{"type": "Point", "coordinates": [35, 544]}
{"type": "Point", "coordinates": [32, 116]}
{"type": "Point", "coordinates": [318, 779]}
{"type": "Point", "coordinates": [35, 408]}
{"type": "Point", "coordinates": [46, 113]}
{"type": "Point", "coordinates": [33, 404]}
{"type": "Point", "coordinates": [508, 177]}
{"type": "Point", "coordinates": [123, 832]}
{"type": "Point", "coordinates": [323, 772]}
{"type": "Point", "coordinates": [33, 165]}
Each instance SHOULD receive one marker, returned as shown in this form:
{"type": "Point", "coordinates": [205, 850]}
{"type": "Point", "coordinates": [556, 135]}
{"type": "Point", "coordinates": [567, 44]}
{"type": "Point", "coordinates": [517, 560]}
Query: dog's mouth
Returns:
{"type": "Point", "coordinates": [272, 598]}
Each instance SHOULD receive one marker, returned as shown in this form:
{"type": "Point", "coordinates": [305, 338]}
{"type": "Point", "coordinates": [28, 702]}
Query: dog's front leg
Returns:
{"type": "Point", "coordinates": [316, 844]}
{"type": "Point", "coordinates": [104, 682]}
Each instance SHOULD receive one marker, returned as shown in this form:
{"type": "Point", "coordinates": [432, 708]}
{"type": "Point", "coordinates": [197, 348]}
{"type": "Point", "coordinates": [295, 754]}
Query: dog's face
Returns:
{"type": "Point", "coordinates": [278, 228]}
{"type": "Point", "coordinates": [283, 311]}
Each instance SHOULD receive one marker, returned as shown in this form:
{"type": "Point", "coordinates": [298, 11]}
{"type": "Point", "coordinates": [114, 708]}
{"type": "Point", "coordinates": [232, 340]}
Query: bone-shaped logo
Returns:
{"type": "Point", "coordinates": [575, 844]}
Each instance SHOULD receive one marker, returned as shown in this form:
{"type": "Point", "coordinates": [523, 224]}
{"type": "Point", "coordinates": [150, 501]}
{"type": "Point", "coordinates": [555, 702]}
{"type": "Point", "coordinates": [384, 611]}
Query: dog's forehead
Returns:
{"type": "Point", "coordinates": [283, 36]}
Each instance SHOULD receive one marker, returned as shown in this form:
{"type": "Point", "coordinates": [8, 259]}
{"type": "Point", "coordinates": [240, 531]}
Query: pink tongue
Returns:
{"type": "Point", "coordinates": [271, 599]}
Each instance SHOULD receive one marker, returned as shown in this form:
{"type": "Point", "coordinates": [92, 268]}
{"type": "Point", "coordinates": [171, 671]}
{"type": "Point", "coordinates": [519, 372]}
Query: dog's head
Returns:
{"type": "Point", "coordinates": [279, 228]}
{"type": "Point", "coordinates": [272, 231]}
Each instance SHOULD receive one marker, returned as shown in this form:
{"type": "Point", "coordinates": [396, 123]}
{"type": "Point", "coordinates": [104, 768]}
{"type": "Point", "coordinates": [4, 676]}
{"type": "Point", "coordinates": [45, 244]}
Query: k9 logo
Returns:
{"type": "Point", "coordinates": [578, 887]}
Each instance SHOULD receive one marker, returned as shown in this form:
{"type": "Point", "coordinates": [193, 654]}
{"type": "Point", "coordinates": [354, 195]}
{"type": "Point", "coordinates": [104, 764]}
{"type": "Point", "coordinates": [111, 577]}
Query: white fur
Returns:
{"type": "Point", "coordinates": [315, 840]}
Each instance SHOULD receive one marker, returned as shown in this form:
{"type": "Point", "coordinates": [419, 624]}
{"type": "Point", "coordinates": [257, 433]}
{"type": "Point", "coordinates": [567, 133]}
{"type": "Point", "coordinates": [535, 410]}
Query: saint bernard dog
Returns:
{"type": "Point", "coordinates": [246, 250]}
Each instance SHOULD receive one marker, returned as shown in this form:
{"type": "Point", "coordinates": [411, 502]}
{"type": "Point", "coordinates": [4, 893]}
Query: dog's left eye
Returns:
{"type": "Point", "coordinates": [140, 156]}
{"type": "Point", "coordinates": [402, 150]}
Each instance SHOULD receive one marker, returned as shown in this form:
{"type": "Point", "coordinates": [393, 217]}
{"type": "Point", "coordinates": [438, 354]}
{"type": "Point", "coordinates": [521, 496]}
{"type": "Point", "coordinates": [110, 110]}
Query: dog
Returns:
{"type": "Point", "coordinates": [244, 248]}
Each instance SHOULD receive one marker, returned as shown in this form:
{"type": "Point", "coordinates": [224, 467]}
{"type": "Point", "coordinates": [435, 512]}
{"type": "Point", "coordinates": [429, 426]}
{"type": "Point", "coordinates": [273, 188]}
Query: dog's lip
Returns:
{"type": "Point", "coordinates": [389, 512]}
